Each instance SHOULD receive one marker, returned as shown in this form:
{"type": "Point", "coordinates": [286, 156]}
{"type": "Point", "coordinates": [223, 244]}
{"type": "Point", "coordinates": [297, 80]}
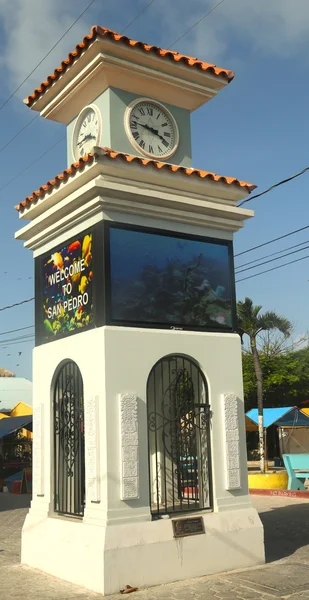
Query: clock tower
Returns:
{"type": "Point", "coordinates": [139, 454]}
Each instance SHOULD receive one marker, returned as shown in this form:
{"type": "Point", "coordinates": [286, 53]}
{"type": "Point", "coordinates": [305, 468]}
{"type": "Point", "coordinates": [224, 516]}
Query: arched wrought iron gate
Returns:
{"type": "Point", "coordinates": [178, 435]}
{"type": "Point", "coordinates": [69, 441]}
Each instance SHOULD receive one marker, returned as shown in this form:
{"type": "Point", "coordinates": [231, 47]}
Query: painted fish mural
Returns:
{"type": "Point", "coordinates": [67, 288]}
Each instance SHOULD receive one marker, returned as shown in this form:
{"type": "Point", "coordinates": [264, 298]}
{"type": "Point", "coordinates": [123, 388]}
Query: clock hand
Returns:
{"type": "Point", "coordinates": [86, 138]}
{"type": "Point", "coordinates": [155, 131]}
{"type": "Point", "coordinates": [161, 137]}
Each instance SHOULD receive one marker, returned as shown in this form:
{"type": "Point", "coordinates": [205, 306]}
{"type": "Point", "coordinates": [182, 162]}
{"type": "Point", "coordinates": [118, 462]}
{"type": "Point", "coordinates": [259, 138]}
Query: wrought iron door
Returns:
{"type": "Point", "coordinates": [69, 441]}
{"type": "Point", "coordinates": [178, 435]}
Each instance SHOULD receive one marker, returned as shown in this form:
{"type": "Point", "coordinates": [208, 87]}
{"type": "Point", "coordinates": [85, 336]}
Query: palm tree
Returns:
{"type": "Point", "coordinates": [251, 322]}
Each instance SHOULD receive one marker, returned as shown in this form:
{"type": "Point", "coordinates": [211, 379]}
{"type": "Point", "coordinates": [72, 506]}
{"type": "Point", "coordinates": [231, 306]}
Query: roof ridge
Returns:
{"type": "Point", "coordinates": [129, 158]}
{"type": "Point", "coordinates": [99, 30]}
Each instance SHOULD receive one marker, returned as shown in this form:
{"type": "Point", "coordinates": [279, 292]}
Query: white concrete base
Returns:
{"type": "Point", "coordinates": [105, 559]}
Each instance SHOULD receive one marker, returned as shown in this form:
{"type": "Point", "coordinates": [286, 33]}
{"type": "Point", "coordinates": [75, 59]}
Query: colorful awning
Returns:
{"type": "Point", "coordinates": [287, 416]}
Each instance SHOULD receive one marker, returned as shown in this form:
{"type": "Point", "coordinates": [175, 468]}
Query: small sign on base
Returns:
{"type": "Point", "coordinates": [185, 527]}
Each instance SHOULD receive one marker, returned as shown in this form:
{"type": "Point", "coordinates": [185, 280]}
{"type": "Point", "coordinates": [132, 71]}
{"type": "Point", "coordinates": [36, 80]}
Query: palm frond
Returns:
{"type": "Point", "coordinates": [247, 315]}
{"type": "Point", "coordinates": [251, 322]}
{"type": "Point", "coordinates": [270, 320]}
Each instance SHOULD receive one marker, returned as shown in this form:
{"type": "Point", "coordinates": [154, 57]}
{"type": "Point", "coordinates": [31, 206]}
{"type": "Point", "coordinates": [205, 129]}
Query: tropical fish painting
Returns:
{"type": "Point", "coordinates": [67, 288]}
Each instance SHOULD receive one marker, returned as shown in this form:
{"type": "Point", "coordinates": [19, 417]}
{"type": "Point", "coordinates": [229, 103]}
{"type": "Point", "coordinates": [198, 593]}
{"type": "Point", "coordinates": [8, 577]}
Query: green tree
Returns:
{"type": "Point", "coordinates": [252, 323]}
{"type": "Point", "coordinates": [285, 377]}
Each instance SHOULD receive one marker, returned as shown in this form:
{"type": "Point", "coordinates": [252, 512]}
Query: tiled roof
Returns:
{"type": "Point", "coordinates": [98, 31]}
{"type": "Point", "coordinates": [91, 157]}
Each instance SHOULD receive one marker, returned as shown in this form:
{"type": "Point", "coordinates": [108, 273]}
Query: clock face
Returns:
{"type": "Point", "coordinates": [151, 128]}
{"type": "Point", "coordinates": [87, 131]}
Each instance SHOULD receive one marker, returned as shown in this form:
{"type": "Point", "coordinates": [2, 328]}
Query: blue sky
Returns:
{"type": "Point", "coordinates": [256, 129]}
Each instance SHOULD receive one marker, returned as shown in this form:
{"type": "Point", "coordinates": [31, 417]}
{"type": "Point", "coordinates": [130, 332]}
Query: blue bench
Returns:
{"type": "Point", "coordinates": [297, 466]}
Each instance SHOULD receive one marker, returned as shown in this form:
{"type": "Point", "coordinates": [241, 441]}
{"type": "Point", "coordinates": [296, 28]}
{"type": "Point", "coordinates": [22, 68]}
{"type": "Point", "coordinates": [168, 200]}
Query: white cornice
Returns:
{"type": "Point", "coordinates": [122, 187]}
{"type": "Point", "coordinates": [140, 177]}
{"type": "Point", "coordinates": [105, 64]}
{"type": "Point", "coordinates": [71, 213]}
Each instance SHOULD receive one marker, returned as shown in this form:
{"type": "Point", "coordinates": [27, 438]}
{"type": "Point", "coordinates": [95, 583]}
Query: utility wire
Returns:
{"type": "Point", "coordinates": [281, 237]}
{"type": "Point", "coordinates": [273, 268]}
{"type": "Point", "coordinates": [272, 260]}
{"type": "Point", "coordinates": [237, 280]}
{"type": "Point", "coordinates": [14, 330]}
{"type": "Point", "coordinates": [16, 304]}
{"type": "Point", "coordinates": [25, 341]}
{"type": "Point", "coordinates": [272, 187]}
{"type": "Point", "coordinates": [137, 16]}
{"type": "Point", "coordinates": [269, 255]}
{"type": "Point", "coordinates": [16, 339]}
{"type": "Point", "coordinates": [19, 132]}
{"type": "Point", "coordinates": [31, 164]}
{"type": "Point", "coordinates": [195, 24]}
{"type": "Point", "coordinates": [27, 125]}
{"type": "Point", "coordinates": [41, 61]}
{"type": "Point", "coordinates": [46, 55]}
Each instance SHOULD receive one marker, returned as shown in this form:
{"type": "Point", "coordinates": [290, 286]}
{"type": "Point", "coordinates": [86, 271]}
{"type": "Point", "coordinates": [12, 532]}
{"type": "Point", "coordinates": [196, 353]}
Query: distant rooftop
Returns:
{"type": "Point", "coordinates": [14, 390]}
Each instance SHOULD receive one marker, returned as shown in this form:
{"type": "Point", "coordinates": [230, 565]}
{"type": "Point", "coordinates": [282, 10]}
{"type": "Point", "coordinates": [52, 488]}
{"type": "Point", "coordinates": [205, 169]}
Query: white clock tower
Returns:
{"type": "Point", "coordinates": [139, 454]}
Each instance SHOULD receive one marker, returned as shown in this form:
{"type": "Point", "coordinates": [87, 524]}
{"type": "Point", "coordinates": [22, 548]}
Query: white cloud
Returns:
{"type": "Point", "coordinates": [273, 27]}
{"type": "Point", "coordinates": [31, 27]}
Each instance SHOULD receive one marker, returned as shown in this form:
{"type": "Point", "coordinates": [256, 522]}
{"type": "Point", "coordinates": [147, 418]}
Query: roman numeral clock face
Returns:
{"type": "Point", "coordinates": [87, 131]}
{"type": "Point", "coordinates": [151, 129]}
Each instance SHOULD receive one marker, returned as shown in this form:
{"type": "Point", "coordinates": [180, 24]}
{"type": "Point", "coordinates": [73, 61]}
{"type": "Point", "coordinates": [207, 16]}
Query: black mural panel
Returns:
{"type": "Point", "coordinates": [164, 279]}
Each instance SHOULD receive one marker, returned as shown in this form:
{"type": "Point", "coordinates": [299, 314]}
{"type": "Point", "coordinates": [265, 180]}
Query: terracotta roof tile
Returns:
{"type": "Point", "coordinates": [98, 31]}
{"type": "Point", "coordinates": [90, 158]}
{"type": "Point", "coordinates": [53, 183]}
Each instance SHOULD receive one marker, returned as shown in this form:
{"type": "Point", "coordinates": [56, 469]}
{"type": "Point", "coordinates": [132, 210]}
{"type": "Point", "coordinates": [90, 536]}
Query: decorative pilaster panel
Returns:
{"type": "Point", "coordinates": [231, 442]}
{"type": "Point", "coordinates": [129, 472]}
{"type": "Point", "coordinates": [38, 450]}
{"type": "Point", "coordinates": [92, 448]}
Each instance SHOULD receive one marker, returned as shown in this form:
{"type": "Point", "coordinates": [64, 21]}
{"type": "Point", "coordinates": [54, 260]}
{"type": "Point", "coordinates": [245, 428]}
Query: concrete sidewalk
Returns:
{"type": "Point", "coordinates": [286, 574]}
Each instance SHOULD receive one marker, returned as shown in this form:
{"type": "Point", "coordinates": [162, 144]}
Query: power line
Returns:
{"type": "Point", "coordinates": [273, 268]}
{"type": "Point", "coordinates": [195, 24]}
{"type": "Point", "coordinates": [269, 255]}
{"type": "Point", "coordinates": [14, 330]}
{"type": "Point", "coordinates": [31, 164]}
{"type": "Point", "coordinates": [137, 16]}
{"type": "Point", "coordinates": [272, 260]}
{"type": "Point", "coordinates": [19, 132]}
{"type": "Point", "coordinates": [16, 304]}
{"type": "Point", "coordinates": [272, 187]}
{"type": "Point", "coordinates": [33, 70]}
{"type": "Point", "coordinates": [281, 237]}
{"type": "Point", "coordinates": [46, 55]}
{"type": "Point", "coordinates": [25, 341]}
{"type": "Point", "coordinates": [16, 339]}
{"type": "Point", "coordinates": [41, 61]}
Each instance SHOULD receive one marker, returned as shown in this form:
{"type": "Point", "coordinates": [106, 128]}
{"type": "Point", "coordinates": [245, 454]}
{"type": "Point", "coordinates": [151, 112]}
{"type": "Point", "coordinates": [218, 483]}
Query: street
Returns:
{"type": "Point", "coordinates": [286, 574]}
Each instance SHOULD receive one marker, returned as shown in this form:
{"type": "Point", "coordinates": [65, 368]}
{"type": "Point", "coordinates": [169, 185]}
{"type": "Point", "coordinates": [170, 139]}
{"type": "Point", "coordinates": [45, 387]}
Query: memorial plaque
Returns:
{"type": "Point", "coordinates": [185, 527]}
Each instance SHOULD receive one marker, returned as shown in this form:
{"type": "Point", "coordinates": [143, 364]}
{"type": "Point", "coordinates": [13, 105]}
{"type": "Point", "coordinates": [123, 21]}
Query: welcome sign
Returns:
{"type": "Point", "coordinates": [68, 288]}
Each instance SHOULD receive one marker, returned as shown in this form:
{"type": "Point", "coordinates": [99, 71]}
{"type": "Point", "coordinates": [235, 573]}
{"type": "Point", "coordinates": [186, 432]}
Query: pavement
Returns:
{"type": "Point", "coordinates": [285, 575]}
